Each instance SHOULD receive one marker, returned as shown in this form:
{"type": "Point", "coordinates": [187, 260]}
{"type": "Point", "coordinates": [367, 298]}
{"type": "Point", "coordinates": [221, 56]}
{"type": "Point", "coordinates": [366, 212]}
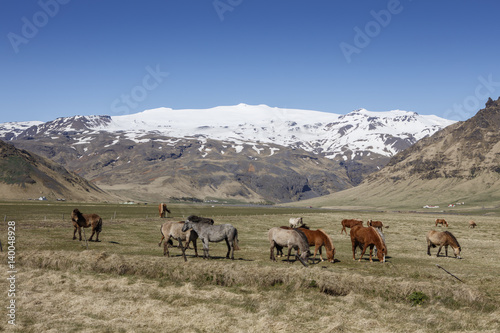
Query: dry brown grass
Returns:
{"type": "Point", "coordinates": [124, 284]}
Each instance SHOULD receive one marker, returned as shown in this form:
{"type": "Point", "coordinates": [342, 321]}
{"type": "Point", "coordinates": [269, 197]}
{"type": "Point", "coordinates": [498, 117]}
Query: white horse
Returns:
{"type": "Point", "coordinates": [295, 222]}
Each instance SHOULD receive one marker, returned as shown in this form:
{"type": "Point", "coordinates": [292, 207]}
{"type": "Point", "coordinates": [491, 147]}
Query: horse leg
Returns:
{"type": "Point", "coordinates": [205, 249]}
{"type": "Point", "coordinates": [161, 240]}
{"type": "Point", "coordinates": [446, 250]}
{"type": "Point", "coordinates": [439, 250]}
{"type": "Point", "coordinates": [371, 252]}
{"type": "Point", "coordinates": [354, 250]}
{"type": "Point", "coordinates": [195, 248]}
{"type": "Point", "coordinates": [165, 249]}
{"type": "Point", "coordinates": [228, 248]}
{"type": "Point", "coordinates": [182, 248]}
{"type": "Point", "coordinates": [80, 232]}
{"type": "Point", "coordinates": [74, 233]}
{"type": "Point", "coordinates": [289, 251]}
{"type": "Point", "coordinates": [363, 252]}
{"type": "Point", "coordinates": [271, 256]}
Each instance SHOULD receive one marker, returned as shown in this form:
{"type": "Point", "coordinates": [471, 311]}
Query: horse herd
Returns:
{"type": "Point", "coordinates": [297, 236]}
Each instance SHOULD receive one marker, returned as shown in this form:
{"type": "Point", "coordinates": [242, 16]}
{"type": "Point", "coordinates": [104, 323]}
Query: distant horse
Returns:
{"type": "Point", "coordinates": [349, 223]}
{"type": "Point", "coordinates": [291, 238]}
{"type": "Point", "coordinates": [442, 222]}
{"type": "Point", "coordinates": [162, 208]}
{"type": "Point", "coordinates": [84, 221]}
{"type": "Point", "coordinates": [442, 238]}
{"type": "Point", "coordinates": [194, 218]}
{"type": "Point", "coordinates": [214, 233]}
{"type": "Point", "coordinates": [472, 224]}
{"type": "Point", "coordinates": [375, 224]}
{"type": "Point", "coordinates": [365, 237]}
{"type": "Point", "coordinates": [295, 222]}
{"type": "Point", "coordinates": [171, 229]}
{"type": "Point", "coordinates": [318, 239]}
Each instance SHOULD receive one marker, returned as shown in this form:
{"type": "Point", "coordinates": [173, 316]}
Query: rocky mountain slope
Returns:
{"type": "Point", "coordinates": [24, 175]}
{"type": "Point", "coordinates": [251, 153]}
{"type": "Point", "coordinates": [460, 163]}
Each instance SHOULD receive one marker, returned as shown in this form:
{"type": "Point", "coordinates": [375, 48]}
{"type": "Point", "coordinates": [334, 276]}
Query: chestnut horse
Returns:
{"type": "Point", "coordinates": [162, 208]}
{"type": "Point", "coordinates": [349, 223]}
{"type": "Point", "coordinates": [375, 224]}
{"type": "Point", "coordinates": [318, 239]}
{"type": "Point", "coordinates": [443, 238]}
{"type": "Point", "coordinates": [84, 221]}
{"type": "Point", "coordinates": [472, 224]}
{"type": "Point", "coordinates": [364, 237]}
{"type": "Point", "coordinates": [442, 222]}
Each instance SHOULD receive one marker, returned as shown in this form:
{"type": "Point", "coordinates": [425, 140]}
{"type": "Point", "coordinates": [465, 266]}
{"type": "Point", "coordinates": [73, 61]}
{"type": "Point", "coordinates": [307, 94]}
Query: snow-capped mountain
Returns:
{"type": "Point", "coordinates": [329, 134]}
{"type": "Point", "coordinates": [245, 152]}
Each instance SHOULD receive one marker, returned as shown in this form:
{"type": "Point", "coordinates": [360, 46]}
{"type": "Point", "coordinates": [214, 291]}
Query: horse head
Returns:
{"type": "Point", "coordinates": [187, 225]}
{"type": "Point", "coordinates": [456, 251]}
{"type": "Point", "coordinates": [76, 215]}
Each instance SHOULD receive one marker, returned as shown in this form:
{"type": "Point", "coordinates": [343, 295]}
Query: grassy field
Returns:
{"type": "Point", "coordinates": [124, 284]}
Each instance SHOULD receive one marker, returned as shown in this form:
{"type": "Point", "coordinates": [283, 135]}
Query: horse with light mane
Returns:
{"type": "Point", "coordinates": [472, 224]}
{"type": "Point", "coordinates": [162, 208]}
{"type": "Point", "coordinates": [295, 222]}
{"type": "Point", "coordinates": [442, 238]}
{"type": "Point", "coordinates": [364, 237]}
{"type": "Point", "coordinates": [349, 223]}
{"type": "Point", "coordinates": [442, 222]}
{"type": "Point", "coordinates": [317, 238]}
{"type": "Point", "coordinates": [85, 221]}
{"type": "Point", "coordinates": [214, 233]}
{"type": "Point", "coordinates": [172, 229]}
{"type": "Point", "coordinates": [293, 239]}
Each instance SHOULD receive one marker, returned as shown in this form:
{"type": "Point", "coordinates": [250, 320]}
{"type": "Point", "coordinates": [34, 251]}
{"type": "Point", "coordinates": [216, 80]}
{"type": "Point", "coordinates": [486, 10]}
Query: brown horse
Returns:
{"type": "Point", "coordinates": [318, 239]}
{"type": "Point", "coordinates": [364, 237]}
{"type": "Point", "coordinates": [84, 221]}
{"type": "Point", "coordinates": [472, 224]}
{"type": "Point", "coordinates": [442, 222]}
{"type": "Point", "coordinates": [162, 208]}
{"type": "Point", "coordinates": [375, 224]}
{"type": "Point", "coordinates": [443, 238]}
{"type": "Point", "coordinates": [349, 223]}
{"type": "Point", "coordinates": [171, 229]}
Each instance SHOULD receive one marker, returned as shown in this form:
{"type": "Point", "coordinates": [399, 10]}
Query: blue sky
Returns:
{"type": "Point", "coordinates": [63, 58]}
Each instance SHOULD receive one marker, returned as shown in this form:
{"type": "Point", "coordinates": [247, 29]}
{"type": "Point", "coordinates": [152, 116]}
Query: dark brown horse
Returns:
{"type": "Point", "coordinates": [364, 237]}
{"type": "Point", "coordinates": [162, 208]}
{"type": "Point", "coordinates": [349, 223]}
{"type": "Point", "coordinates": [442, 222]}
{"type": "Point", "coordinates": [84, 221]}
{"type": "Point", "coordinates": [442, 238]}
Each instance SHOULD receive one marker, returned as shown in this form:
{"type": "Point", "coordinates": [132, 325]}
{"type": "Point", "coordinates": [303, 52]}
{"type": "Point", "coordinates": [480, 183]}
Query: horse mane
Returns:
{"type": "Point", "coordinates": [380, 239]}
{"type": "Point", "coordinates": [327, 238]}
{"type": "Point", "coordinates": [198, 219]}
{"type": "Point", "coordinates": [77, 212]}
{"type": "Point", "coordinates": [302, 235]}
{"type": "Point", "coordinates": [452, 237]}
{"type": "Point", "coordinates": [305, 226]}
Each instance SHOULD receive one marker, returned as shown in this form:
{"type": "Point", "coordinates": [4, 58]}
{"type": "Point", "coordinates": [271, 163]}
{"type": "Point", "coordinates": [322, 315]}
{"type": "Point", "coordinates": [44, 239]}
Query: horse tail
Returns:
{"type": "Point", "coordinates": [99, 225]}
{"type": "Point", "coordinates": [235, 240]}
{"type": "Point", "coordinates": [162, 236]}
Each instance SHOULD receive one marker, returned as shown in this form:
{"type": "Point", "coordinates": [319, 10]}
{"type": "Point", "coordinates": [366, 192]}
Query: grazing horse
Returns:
{"type": "Point", "coordinates": [442, 222]}
{"type": "Point", "coordinates": [364, 237]}
{"type": "Point", "coordinates": [84, 221]}
{"type": "Point", "coordinates": [472, 224]}
{"type": "Point", "coordinates": [375, 224]}
{"type": "Point", "coordinates": [295, 222]}
{"type": "Point", "coordinates": [291, 238]}
{"type": "Point", "coordinates": [162, 208]}
{"type": "Point", "coordinates": [214, 233]}
{"type": "Point", "coordinates": [318, 239]}
{"type": "Point", "coordinates": [172, 229]}
{"type": "Point", "coordinates": [443, 238]}
{"type": "Point", "coordinates": [349, 223]}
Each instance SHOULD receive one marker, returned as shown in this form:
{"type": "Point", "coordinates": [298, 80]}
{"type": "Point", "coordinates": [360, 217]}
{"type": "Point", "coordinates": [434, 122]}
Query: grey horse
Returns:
{"type": "Point", "coordinates": [293, 239]}
{"type": "Point", "coordinates": [214, 233]}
